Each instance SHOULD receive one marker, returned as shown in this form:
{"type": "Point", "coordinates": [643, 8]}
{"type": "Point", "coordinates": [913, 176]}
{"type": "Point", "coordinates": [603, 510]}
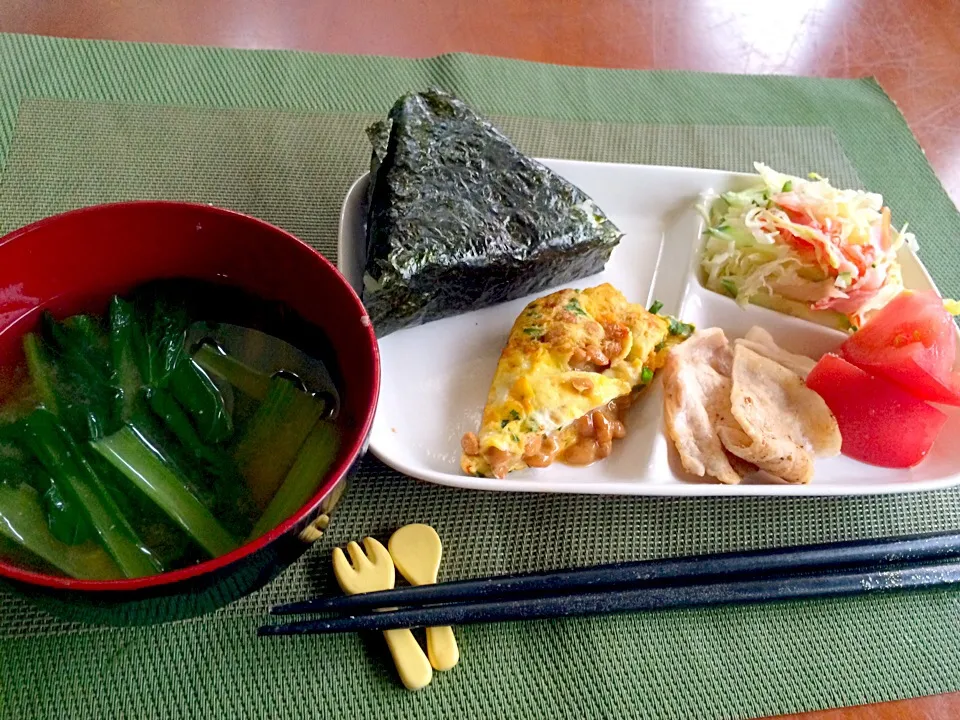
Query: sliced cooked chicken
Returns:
{"type": "Point", "coordinates": [762, 342]}
{"type": "Point", "coordinates": [783, 424]}
{"type": "Point", "coordinates": [697, 387]}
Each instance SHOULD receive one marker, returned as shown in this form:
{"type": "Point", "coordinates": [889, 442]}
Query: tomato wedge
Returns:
{"type": "Point", "coordinates": [880, 423]}
{"type": "Point", "coordinates": [912, 341]}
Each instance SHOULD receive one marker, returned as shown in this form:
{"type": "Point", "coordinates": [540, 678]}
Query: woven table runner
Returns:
{"type": "Point", "coordinates": [280, 135]}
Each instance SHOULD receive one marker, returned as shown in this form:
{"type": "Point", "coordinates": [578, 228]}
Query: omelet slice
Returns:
{"type": "Point", "coordinates": [572, 363]}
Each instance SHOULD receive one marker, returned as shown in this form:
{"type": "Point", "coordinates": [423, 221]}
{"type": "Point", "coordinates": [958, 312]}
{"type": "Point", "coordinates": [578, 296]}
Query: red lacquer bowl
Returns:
{"type": "Point", "coordinates": [75, 261]}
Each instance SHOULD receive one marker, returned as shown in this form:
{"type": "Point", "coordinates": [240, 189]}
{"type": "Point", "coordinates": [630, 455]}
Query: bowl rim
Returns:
{"type": "Point", "coordinates": [335, 476]}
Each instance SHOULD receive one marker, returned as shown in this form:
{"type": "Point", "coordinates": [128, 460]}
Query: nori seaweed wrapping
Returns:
{"type": "Point", "coordinates": [460, 219]}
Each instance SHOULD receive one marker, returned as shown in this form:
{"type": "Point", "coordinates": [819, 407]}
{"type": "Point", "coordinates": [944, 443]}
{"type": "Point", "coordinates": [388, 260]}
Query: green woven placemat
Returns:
{"type": "Point", "coordinates": [280, 135]}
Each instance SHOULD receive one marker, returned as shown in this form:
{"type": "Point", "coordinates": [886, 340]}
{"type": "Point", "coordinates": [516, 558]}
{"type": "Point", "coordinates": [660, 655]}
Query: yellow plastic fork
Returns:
{"type": "Point", "coordinates": [371, 572]}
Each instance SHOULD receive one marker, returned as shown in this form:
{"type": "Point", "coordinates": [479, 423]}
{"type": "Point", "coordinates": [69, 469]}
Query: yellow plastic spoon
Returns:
{"type": "Point", "coordinates": [371, 572]}
{"type": "Point", "coordinates": [416, 550]}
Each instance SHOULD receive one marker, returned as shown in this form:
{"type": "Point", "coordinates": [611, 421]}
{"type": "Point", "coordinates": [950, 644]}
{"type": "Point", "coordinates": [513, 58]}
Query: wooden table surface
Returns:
{"type": "Point", "coordinates": [911, 47]}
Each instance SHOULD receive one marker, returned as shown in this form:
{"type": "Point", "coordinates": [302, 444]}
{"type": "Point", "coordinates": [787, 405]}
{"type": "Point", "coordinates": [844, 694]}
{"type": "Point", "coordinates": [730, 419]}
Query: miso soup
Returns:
{"type": "Point", "coordinates": [182, 421]}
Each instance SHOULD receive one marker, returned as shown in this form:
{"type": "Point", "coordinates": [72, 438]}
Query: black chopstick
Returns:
{"type": "Point", "coordinates": [776, 588]}
{"type": "Point", "coordinates": [698, 568]}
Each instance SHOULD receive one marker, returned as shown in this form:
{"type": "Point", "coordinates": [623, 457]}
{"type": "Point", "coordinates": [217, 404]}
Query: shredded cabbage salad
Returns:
{"type": "Point", "coordinates": [805, 241]}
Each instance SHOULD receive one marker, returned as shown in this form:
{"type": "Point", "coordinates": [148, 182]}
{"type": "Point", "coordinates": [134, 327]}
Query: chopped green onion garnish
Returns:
{"type": "Point", "coordinates": [574, 306]}
{"type": "Point", "coordinates": [682, 329]}
{"type": "Point", "coordinates": [656, 307]}
{"type": "Point", "coordinates": [513, 415]}
{"type": "Point", "coordinates": [788, 186]}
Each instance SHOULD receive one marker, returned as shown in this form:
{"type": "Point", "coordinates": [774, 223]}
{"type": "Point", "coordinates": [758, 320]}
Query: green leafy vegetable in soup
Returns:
{"type": "Point", "coordinates": [127, 453]}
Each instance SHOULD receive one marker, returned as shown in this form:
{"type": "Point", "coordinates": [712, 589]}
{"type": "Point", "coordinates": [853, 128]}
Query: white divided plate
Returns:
{"type": "Point", "coordinates": [436, 377]}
